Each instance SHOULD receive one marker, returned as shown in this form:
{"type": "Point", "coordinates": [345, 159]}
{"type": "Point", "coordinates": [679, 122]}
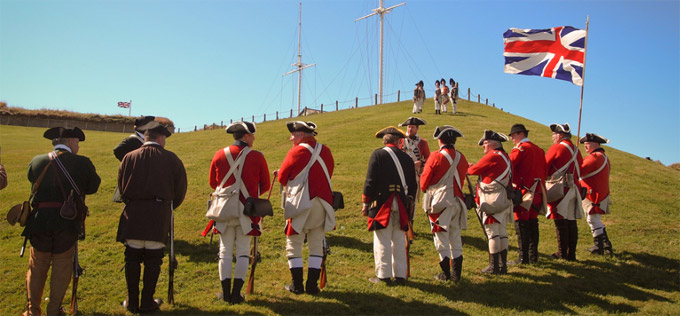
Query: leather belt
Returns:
{"type": "Point", "coordinates": [49, 204]}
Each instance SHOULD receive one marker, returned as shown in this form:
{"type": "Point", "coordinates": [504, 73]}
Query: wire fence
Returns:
{"type": "Point", "coordinates": [357, 102]}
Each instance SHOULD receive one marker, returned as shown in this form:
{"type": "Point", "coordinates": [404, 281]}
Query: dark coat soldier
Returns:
{"type": "Point", "coordinates": [129, 144]}
{"type": "Point", "coordinates": [389, 190]}
{"type": "Point", "coordinates": [52, 237]}
{"type": "Point", "coordinates": [152, 181]}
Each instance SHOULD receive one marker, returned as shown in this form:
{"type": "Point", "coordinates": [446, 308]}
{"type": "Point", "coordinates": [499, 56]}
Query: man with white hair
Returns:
{"type": "Point", "coordinates": [595, 179]}
{"type": "Point", "coordinates": [494, 171]}
{"type": "Point", "coordinates": [442, 180]}
{"type": "Point", "coordinates": [313, 160]}
{"type": "Point", "coordinates": [389, 189]}
{"type": "Point", "coordinates": [236, 232]}
{"type": "Point", "coordinates": [563, 161]}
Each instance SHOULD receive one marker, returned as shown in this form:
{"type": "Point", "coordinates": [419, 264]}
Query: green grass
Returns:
{"type": "Point", "coordinates": [642, 278]}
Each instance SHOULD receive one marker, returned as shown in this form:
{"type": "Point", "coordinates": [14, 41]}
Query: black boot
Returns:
{"type": "Point", "coordinates": [226, 289]}
{"type": "Point", "coordinates": [153, 258]}
{"type": "Point", "coordinates": [607, 244]}
{"type": "Point", "coordinates": [493, 267]}
{"type": "Point", "coordinates": [297, 286]}
{"type": "Point", "coordinates": [236, 296]}
{"type": "Point", "coordinates": [312, 278]}
{"type": "Point", "coordinates": [445, 264]}
{"type": "Point", "coordinates": [562, 238]}
{"type": "Point", "coordinates": [573, 240]}
{"type": "Point", "coordinates": [533, 240]}
{"type": "Point", "coordinates": [457, 269]}
{"type": "Point", "coordinates": [521, 228]}
{"type": "Point", "coordinates": [598, 245]}
{"type": "Point", "coordinates": [503, 265]}
{"type": "Point", "coordinates": [133, 271]}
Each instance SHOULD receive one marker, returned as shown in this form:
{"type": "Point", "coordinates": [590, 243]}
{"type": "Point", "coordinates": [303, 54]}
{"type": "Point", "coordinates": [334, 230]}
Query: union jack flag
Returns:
{"type": "Point", "coordinates": [558, 52]}
{"type": "Point", "coordinates": [124, 104]}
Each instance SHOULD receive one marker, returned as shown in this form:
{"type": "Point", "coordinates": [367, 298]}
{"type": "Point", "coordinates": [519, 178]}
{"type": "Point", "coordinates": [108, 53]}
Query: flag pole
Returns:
{"type": "Point", "coordinates": [130, 107]}
{"type": "Point", "coordinates": [583, 79]}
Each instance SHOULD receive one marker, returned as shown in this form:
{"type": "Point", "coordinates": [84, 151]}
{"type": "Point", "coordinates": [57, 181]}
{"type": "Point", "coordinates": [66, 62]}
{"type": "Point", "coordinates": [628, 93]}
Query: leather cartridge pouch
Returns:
{"type": "Point", "coordinates": [338, 200]}
{"type": "Point", "coordinates": [258, 207]}
{"type": "Point", "coordinates": [69, 210]}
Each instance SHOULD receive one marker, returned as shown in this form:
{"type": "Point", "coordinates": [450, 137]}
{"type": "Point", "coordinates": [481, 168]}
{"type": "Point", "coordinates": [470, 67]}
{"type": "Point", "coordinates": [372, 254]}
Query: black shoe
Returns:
{"type": "Point", "coordinates": [442, 277]}
{"type": "Point", "coordinates": [294, 289]}
{"type": "Point", "coordinates": [155, 306]}
{"type": "Point", "coordinates": [297, 286]}
{"type": "Point", "coordinates": [131, 309]}
{"type": "Point", "coordinates": [312, 286]}
{"type": "Point", "coordinates": [399, 281]}
{"type": "Point", "coordinates": [236, 296]}
{"type": "Point", "coordinates": [376, 280]}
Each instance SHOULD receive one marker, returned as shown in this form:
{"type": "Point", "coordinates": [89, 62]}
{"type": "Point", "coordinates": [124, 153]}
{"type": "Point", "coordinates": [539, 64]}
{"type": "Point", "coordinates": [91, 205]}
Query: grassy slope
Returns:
{"type": "Point", "coordinates": [643, 277]}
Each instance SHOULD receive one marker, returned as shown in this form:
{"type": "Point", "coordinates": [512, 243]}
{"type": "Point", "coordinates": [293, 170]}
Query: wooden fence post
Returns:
{"type": "Point", "coordinates": [277, 115]}
{"type": "Point", "coordinates": [356, 102]}
{"type": "Point", "coordinates": [265, 118]}
{"type": "Point", "coordinates": [336, 105]}
{"type": "Point", "coordinates": [376, 99]}
{"type": "Point", "coordinates": [398, 95]}
{"type": "Point", "coordinates": [291, 113]}
{"type": "Point", "coordinates": [321, 107]}
{"type": "Point", "coordinates": [468, 94]}
{"type": "Point", "coordinates": [195, 128]}
{"type": "Point", "coordinates": [487, 101]}
{"type": "Point", "coordinates": [479, 98]}
{"type": "Point", "coordinates": [253, 120]}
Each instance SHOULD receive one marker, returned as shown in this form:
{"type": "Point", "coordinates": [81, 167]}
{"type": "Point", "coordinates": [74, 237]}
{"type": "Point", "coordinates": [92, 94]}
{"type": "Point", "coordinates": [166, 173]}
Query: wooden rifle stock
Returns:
{"type": "Point", "coordinates": [323, 279]}
{"type": "Point", "coordinates": [172, 265]}
{"type": "Point", "coordinates": [254, 258]}
{"type": "Point", "coordinates": [77, 272]}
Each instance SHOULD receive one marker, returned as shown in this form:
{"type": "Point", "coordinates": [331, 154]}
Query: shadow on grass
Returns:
{"type": "Point", "coordinates": [586, 283]}
{"type": "Point", "coordinates": [353, 303]}
{"type": "Point", "coordinates": [201, 252]}
{"type": "Point", "coordinates": [349, 242]}
{"type": "Point", "coordinates": [461, 113]}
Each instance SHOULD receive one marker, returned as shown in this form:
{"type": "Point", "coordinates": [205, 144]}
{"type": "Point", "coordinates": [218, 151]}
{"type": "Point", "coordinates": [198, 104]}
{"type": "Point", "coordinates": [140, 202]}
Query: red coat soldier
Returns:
{"type": "Point", "coordinates": [563, 161]}
{"type": "Point", "coordinates": [595, 179]}
{"type": "Point", "coordinates": [443, 177]}
{"type": "Point", "coordinates": [528, 175]}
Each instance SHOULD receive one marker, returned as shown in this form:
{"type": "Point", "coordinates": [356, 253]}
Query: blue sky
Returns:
{"type": "Point", "coordinates": [199, 62]}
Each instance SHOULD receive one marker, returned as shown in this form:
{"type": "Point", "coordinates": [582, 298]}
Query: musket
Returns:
{"type": "Point", "coordinates": [23, 248]}
{"type": "Point", "coordinates": [326, 252]}
{"type": "Point", "coordinates": [254, 259]}
{"type": "Point", "coordinates": [472, 192]}
{"type": "Point", "coordinates": [77, 272]}
{"type": "Point", "coordinates": [255, 253]}
{"type": "Point", "coordinates": [172, 265]}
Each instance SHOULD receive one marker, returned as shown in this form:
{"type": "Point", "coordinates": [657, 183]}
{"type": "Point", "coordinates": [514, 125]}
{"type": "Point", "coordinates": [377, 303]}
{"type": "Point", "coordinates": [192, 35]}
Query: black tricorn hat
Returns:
{"type": "Point", "coordinates": [518, 128]}
{"type": "Point", "coordinates": [246, 127]}
{"type": "Point", "coordinates": [413, 121]}
{"type": "Point", "coordinates": [60, 132]}
{"type": "Point", "coordinates": [491, 135]}
{"type": "Point", "coordinates": [300, 126]}
{"type": "Point", "coordinates": [560, 128]}
{"type": "Point", "coordinates": [390, 130]}
{"type": "Point", "coordinates": [444, 130]}
{"type": "Point", "coordinates": [155, 126]}
{"type": "Point", "coordinates": [593, 138]}
{"type": "Point", "coordinates": [143, 120]}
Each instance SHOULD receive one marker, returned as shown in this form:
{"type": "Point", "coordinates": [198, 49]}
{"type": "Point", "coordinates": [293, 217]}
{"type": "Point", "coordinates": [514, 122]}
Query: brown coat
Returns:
{"type": "Point", "coordinates": [149, 179]}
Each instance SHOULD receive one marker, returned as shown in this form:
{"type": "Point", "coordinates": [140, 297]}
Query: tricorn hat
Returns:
{"type": "Point", "coordinates": [300, 126]}
{"type": "Point", "coordinates": [491, 135]}
{"type": "Point", "coordinates": [445, 130]}
{"type": "Point", "coordinates": [516, 128]}
{"type": "Point", "coordinates": [143, 120]}
{"type": "Point", "coordinates": [246, 127]}
{"type": "Point", "coordinates": [413, 121]}
{"type": "Point", "coordinates": [60, 132]}
{"type": "Point", "coordinates": [560, 128]}
{"type": "Point", "coordinates": [390, 130]}
{"type": "Point", "coordinates": [593, 138]}
{"type": "Point", "coordinates": [155, 126]}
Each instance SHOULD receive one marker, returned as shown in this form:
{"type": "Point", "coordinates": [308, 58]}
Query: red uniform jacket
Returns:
{"type": "Point", "coordinates": [488, 169]}
{"type": "Point", "coordinates": [556, 157]}
{"type": "Point", "coordinates": [528, 163]}
{"type": "Point", "coordinates": [437, 165]}
{"type": "Point", "coordinates": [255, 176]}
{"type": "Point", "coordinates": [597, 184]}
{"type": "Point", "coordinates": [296, 160]}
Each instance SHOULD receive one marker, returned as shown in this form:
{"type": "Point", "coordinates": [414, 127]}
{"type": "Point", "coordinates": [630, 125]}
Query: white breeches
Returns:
{"type": "Point", "coordinates": [595, 223]}
{"type": "Point", "coordinates": [389, 248]}
{"type": "Point", "coordinates": [498, 237]}
{"type": "Point", "coordinates": [449, 243]}
{"type": "Point", "coordinates": [314, 230]}
{"type": "Point", "coordinates": [232, 237]}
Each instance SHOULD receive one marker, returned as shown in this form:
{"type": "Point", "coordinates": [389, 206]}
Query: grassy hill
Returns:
{"type": "Point", "coordinates": [642, 278]}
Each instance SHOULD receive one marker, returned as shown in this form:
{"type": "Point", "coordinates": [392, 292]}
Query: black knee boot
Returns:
{"type": "Point", "coordinates": [457, 269]}
{"type": "Point", "coordinates": [503, 264]}
{"type": "Point", "coordinates": [494, 264]}
{"type": "Point", "coordinates": [533, 240]}
{"type": "Point", "coordinates": [522, 230]}
{"type": "Point", "coordinates": [133, 271]}
{"type": "Point", "coordinates": [607, 244]}
{"type": "Point", "coordinates": [573, 240]}
{"type": "Point", "coordinates": [445, 265]}
{"type": "Point", "coordinates": [312, 287]}
{"type": "Point", "coordinates": [297, 286]}
{"type": "Point", "coordinates": [562, 229]}
{"type": "Point", "coordinates": [153, 258]}
{"type": "Point", "coordinates": [226, 290]}
{"type": "Point", "coordinates": [236, 296]}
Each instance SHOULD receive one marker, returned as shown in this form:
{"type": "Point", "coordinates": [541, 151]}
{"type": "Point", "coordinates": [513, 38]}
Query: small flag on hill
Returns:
{"type": "Point", "coordinates": [124, 104]}
{"type": "Point", "coordinates": [558, 52]}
